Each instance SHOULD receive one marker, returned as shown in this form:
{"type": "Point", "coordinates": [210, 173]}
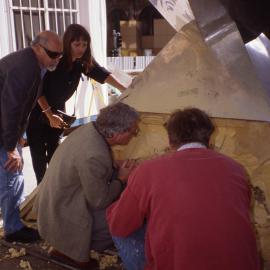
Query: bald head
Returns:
{"type": "Point", "coordinates": [47, 46]}
{"type": "Point", "coordinates": [49, 40]}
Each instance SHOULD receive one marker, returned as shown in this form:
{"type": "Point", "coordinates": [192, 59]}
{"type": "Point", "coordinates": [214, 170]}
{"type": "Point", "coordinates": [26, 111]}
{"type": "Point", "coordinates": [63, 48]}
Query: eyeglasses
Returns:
{"type": "Point", "coordinates": [51, 54]}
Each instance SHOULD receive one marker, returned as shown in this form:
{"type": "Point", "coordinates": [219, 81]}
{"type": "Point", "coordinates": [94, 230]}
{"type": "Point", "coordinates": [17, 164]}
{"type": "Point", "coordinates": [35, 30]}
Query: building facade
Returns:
{"type": "Point", "coordinates": [21, 20]}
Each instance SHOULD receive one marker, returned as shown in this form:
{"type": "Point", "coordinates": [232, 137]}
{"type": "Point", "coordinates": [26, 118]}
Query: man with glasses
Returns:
{"type": "Point", "coordinates": [20, 75]}
{"type": "Point", "coordinates": [80, 182]}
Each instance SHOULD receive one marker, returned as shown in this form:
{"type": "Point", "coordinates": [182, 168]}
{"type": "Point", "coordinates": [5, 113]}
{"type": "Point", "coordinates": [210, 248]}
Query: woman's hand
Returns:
{"type": "Point", "coordinates": [56, 121]}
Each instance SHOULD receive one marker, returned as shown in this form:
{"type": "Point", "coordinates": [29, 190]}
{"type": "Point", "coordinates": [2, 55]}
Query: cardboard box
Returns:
{"type": "Point", "coordinates": [162, 27]}
{"type": "Point", "coordinates": [147, 42]}
{"type": "Point", "coordinates": [130, 42]}
{"type": "Point", "coordinates": [129, 28]}
{"type": "Point", "coordinates": [133, 53]}
{"type": "Point", "coordinates": [156, 51]}
{"type": "Point", "coordinates": [124, 52]}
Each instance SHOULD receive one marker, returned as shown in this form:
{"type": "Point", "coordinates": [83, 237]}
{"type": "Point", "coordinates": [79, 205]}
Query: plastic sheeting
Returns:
{"type": "Point", "coordinates": [91, 98]}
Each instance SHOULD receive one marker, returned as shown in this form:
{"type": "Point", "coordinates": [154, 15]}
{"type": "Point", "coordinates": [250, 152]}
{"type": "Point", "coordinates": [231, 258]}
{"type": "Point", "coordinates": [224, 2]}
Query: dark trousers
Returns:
{"type": "Point", "coordinates": [43, 141]}
{"type": "Point", "coordinates": [101, 237]}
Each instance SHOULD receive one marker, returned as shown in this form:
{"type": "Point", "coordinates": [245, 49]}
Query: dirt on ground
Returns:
{"type": "Point", "coordinates": [16, 256]}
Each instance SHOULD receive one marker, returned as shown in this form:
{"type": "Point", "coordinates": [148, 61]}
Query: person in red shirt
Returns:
{"type": "Point", "coordinates": [194, 201]}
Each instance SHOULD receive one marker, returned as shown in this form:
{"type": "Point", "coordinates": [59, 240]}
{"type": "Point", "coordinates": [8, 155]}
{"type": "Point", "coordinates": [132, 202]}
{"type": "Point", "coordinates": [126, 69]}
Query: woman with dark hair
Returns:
{"type": "Point", "coordinates": [45, 126]}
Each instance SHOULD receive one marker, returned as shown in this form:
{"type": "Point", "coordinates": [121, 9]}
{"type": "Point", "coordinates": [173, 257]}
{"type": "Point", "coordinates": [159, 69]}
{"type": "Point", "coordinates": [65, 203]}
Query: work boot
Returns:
{"type": "Point", "coordinates": [24, 235]}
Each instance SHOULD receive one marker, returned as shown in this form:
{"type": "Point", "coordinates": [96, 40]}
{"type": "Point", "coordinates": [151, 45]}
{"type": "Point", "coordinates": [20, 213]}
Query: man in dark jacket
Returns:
{"type": "Point", "coordinates": [20, 76]}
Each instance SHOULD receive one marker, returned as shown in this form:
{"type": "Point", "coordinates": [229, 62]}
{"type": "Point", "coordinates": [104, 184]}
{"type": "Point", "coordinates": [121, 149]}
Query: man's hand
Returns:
{"type": "Point", "coordinates": [117, 163]}
{"type": "Point", "coordinates": [125, 169]}
{"type": "Point", "coordinates": [56, 121]}
{"type": "Point", "coordinates": [14, 162]}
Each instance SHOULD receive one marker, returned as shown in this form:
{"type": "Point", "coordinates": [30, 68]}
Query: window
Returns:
{"type": "Point", "coordinates": [29, 17]}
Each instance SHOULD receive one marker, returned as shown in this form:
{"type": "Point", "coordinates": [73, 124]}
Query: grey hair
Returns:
{"type": "Point", "coordinates": [116, 118]}
{"type": "Point", "coordinates": [39, 39]}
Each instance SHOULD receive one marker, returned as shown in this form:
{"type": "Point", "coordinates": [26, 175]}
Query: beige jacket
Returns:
{"type": "Point", "coordinates": [76, 183]}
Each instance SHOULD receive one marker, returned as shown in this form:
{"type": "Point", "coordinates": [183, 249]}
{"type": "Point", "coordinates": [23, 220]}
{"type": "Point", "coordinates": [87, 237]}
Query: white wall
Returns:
{"type": "Point", "coordinates": [5, 29]}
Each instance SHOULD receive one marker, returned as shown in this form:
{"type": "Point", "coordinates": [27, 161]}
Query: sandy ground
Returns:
{"type": "Point", "coordinates": [35, 257]}
{"type": "Point", "coordinates": [30, 262]}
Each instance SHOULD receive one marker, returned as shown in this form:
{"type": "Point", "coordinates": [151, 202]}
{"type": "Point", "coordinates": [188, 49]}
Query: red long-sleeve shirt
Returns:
{"type": "Point", "coordinates": [196, 203]}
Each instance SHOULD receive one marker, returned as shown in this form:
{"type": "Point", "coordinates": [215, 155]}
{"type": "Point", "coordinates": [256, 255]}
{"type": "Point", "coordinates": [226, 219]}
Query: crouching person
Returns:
{"type": "Point", "coordinates": [81, 182]}
{"type": "Point", "coordinates": [195, 203]}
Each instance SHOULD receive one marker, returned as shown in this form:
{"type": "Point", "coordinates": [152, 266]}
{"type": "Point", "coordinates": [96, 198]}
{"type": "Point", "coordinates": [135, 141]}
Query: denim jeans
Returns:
{"type": "Point", "coordinates": [11, 194]}
{"type": "Point", "coordinates": [131, 249]}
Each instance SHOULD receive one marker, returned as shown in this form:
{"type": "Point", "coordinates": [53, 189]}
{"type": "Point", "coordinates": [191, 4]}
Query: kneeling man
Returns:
{"type": "Point", "coordinates": [81, 181]}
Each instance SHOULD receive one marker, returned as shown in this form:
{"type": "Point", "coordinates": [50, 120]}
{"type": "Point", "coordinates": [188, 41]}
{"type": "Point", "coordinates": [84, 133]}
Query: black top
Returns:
{"type": "Point", "coordinates": [20, 77]}
{"type": "Point", "coordinates": [60, 85]}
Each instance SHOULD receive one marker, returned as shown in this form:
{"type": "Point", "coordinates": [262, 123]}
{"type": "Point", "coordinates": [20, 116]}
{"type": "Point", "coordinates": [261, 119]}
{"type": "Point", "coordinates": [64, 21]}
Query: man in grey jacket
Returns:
{"type": "Point", "coordinates": [81, 181]}
{"type": "Point", "coordinates": [20, 76]}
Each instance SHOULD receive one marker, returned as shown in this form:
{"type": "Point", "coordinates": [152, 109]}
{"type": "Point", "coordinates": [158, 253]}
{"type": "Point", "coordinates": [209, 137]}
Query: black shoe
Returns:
{"type": "Point", "coordinates": [24, 235]}
{"type": "Point", "coordinates": [92, 264]}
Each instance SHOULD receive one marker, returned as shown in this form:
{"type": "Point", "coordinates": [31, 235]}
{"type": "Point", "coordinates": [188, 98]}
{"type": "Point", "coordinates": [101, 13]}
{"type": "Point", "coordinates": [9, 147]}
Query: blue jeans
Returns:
{"type": "Point", "coordinates": [131, 249]}
{"type": "Point", "coordinates": [11, 194]}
